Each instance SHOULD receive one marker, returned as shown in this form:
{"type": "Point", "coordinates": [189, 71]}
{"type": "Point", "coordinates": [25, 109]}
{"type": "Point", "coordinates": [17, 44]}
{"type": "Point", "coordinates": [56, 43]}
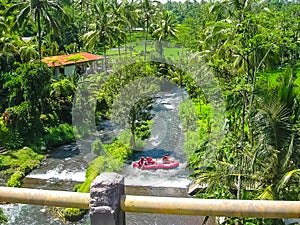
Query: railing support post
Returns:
{"type": "Point", "coordinates": [106, 191]}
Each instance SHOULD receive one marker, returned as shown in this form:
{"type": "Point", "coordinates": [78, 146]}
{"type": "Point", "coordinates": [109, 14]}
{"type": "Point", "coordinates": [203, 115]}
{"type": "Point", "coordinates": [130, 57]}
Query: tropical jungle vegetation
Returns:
{"type": "Point", "coordinates": [241, 136]}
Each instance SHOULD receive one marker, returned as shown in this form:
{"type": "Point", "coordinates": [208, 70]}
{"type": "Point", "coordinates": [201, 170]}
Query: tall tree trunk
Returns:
{"type": "Point", "coordinates": [39, 34]}
{"type": "Point", "coordinates": [160, 49]}
{"type": "Point", "coordinates": [132, 129]}
{"type": "Point", "coordinates": [125, 47]}
{"type": "Point", "coordinates": [104, 53]}
{"type": "Point", "coordinates": [146, 38]}
{"type": "Point", "coordinates": [256, 69]}
{"type": "Point", "coordinates": [239, 182]}
{"type": "Point", "coordinates": [130, 44]}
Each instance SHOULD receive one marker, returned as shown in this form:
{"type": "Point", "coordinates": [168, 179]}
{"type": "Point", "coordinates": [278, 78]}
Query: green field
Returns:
{"type": "Point", "coordinates": [169, 51]}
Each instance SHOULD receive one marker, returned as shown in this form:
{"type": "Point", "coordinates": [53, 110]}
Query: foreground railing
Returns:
{"type": "Point", "coordinates": [108, 203]}
{"type": "Point", "coordinates": [45, 197]}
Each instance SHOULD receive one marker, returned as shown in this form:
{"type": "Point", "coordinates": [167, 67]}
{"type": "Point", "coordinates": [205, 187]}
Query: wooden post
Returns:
{"type": "Point", "coordinates": [106, 191]}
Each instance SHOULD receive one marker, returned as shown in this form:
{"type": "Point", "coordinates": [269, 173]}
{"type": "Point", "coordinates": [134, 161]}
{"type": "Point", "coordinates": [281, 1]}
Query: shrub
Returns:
{"type": "Point", "coordinates": [125, 138]}
{"type": "Point", "coordinates": [97, 147]}
{"type": "Point", "coordinates": [10, 139]}
{"type": "Point", "coordinates": [59, 135]}
{"type": "Point", "coordinates": [144, 130]}
{"type": "Point", "coordinates": [118, 150]}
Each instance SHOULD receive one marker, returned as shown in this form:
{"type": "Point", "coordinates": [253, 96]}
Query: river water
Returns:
{"type": "Point", "coordinates": [66, 166]}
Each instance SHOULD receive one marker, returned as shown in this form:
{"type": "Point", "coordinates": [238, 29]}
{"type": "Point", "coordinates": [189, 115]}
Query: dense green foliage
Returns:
{"type": "Point", "coordinates": [17, 165]}
{"type": "Point", "coordinates": [250, 49]}
{"type": "Point", "coordinates": [62, 134]}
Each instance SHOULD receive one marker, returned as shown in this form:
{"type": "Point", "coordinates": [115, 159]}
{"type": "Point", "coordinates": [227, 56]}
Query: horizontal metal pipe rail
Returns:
{"type": "Point", "coordinates": [158, 205]}
{"type": "Point", "coordinates": [45, 197]}
{"type": "Point", "coordinates": [211, 207]}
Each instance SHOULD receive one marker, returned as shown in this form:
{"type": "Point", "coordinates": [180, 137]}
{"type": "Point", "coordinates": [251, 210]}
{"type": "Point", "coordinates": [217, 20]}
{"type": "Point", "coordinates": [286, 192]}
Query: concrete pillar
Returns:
{"type": "Point", "coordinates": [106, 191]}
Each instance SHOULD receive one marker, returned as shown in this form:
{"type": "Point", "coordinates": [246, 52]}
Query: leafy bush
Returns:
{"type": "Point", "coordinates": [97, 147]}
{"type": "Point", "coordinates": [19, 123]}
{"type": "Point", "coordinates": [99, 165]}
{"type": "Point", "coordinates": [49, 120]}
{"type": "Point", "coordinates": [118, 150]}
{"type": "Point", "coordinates": [59, 135]}
{"type": "Point", "coordinates": [9, 139]}
{"type": "Point", "coordinates": [188, 115]}
{"type": "Point", "coordinates": [143, 131]}
{"type": "Point", "coordinates": [125, 137]}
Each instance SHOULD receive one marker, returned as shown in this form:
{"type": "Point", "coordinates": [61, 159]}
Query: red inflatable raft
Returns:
{"type": "Point", "coordinates": [157, 165]}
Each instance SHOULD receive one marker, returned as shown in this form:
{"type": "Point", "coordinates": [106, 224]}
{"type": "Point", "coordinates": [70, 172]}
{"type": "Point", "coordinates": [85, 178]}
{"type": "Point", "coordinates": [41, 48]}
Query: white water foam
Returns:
{"type": "Point", "coordinates": [155, 181]}
{"type": "Point", "coordinates": [157, 178]}
{"type": "Point", "coordinates": [61, 175]}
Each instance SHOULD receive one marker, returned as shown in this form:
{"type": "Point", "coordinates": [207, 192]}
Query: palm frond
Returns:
{"type": "Point", "coordinates": [23, 14]}
{"type": "Point", "coordinates": [288, 154]}
{"type": "Point", "coordinates": [286, 178]}
{"type": "Point", "coordinates": [267, 193]}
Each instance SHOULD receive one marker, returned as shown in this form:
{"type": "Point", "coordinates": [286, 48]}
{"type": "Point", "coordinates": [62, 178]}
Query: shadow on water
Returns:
{"type": "Point", "coordinates": [65, 151]}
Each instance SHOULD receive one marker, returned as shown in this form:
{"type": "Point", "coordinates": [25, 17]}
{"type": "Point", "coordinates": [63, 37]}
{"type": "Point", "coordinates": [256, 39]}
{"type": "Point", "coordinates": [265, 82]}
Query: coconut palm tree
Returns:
{"type": "Point", "coordinates": [103, 27]}
{"type": "Point", "coordinates": [165, 28]}
{"type": "Point", "coordinates": [121, 23]}
{"type": "Point", "coordinates": [277, 139]}
{"type": "Point", "coordinates": [130, 14]}
{"type": "Point", "coordinates": [149, 9]}
{"type": "Point", "coordinates": [40, 10]}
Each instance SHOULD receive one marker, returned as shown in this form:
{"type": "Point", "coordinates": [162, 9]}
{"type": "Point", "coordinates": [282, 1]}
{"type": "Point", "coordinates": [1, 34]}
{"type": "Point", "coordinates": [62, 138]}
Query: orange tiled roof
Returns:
{"type": "Point", "coordinates": [63, 60]}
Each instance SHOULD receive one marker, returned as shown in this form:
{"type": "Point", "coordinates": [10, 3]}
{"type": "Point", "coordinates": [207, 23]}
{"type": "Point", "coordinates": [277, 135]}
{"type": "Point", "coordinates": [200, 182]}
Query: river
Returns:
{"type": "Point", "coordinates": [66, 166]}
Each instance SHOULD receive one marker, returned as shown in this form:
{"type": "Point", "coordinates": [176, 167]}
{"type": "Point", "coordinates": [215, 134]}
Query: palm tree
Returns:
{"type": "Point", "coordinates": [102, 30]}
{"type": "Point", "coordinates": [272, 166]}
{"type": "Point", "coordinates": [164, 29]}
{"type": "Point", "coordinates": [148, 12]}
{"type": "Point", "coordinates": [276, 123]}
{"type": "Point", "coordinates": [39, 10]}
{"type": "Point", "coordinates": [118, 9]}
{"type": "Point", "coordinates": [130, 15]}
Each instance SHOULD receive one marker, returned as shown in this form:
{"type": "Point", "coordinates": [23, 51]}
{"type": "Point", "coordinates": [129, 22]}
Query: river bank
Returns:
{"type": "Point", "coordinates": [66, 166]}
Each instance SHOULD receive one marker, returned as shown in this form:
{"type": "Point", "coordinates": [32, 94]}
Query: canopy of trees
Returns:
{"type": "Point", "coordinates": [250, 47]}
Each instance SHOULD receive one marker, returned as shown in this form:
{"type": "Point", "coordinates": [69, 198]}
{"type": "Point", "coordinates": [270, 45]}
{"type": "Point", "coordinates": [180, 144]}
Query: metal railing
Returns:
{"type": "Point", "coordinates": [158, 205]}
{"type": "Point", "coordinates": [45, 197]}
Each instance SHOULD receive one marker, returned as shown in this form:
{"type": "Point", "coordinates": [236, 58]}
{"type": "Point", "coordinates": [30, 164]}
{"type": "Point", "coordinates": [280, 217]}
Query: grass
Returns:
{"type": "Point", "coordinates": [172, 52]}
{"type": "Point", "coordinates": [272, 76]}
{"type": "Point", "coordinates": [169, 51]}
